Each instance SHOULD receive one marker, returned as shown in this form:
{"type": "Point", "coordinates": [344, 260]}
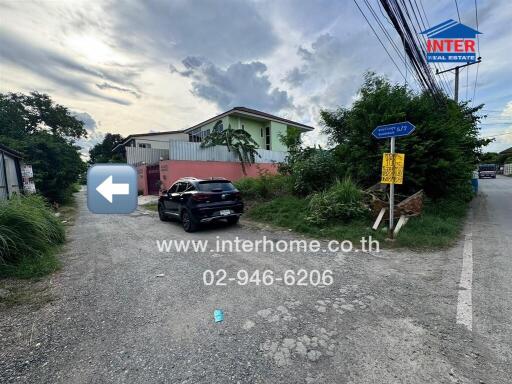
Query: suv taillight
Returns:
{"type": "Point", "coordinates": [200, 196]}
{"type": "Point", "coordinates": [236, 195]}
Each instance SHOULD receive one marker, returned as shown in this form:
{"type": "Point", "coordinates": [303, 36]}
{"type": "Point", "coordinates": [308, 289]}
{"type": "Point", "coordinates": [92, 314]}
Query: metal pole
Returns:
{"type": "Point", "coordinates": [457, 68]}
{"type": "Point", "coordinates": [456, 95]}
{"type": "Point", "coordinates": [392, 190]}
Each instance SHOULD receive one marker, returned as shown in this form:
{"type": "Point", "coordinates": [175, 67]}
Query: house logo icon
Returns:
{"type": "Point", "coordinates": [451, 42]}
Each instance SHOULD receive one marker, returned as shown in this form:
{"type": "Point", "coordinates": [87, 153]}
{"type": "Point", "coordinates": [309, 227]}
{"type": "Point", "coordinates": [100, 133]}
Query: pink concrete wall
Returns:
{"type": "Point", "coordinates": [142, 179]}
{"type": "Point", "coordinates": [172, 170]}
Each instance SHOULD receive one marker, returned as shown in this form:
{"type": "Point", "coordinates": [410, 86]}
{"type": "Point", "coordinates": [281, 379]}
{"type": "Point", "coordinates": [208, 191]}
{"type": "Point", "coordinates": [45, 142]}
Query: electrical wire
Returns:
{"type": "Point", "coordinates": [441, 65]}
{"type": "Point", "coordinates": [444, 82]}
{"type": "Point", "coordinates": [457, 6]}
{"type": "Point", "coordinates": [398, 17]}
{"type": "Point", "coordinates": [378, 38]}
{"type": "Point", "coordinates": [403, 57]}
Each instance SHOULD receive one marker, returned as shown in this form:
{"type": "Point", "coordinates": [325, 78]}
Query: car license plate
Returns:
{"type": "Point", "coordinates": [225, 212]}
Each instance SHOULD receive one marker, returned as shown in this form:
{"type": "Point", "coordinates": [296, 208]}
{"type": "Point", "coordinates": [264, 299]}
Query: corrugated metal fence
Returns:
{"type": "Point", "coordinates": [182, 150]}
{"type": "Point", "coordinates": [136, 156]}
{"type": "Point", "coordinates": [507, 169]}
{"type": "Point", "coordinates": [3, 188]}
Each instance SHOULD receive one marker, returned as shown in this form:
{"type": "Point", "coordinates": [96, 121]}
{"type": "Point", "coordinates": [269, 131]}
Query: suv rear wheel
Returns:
{"type": "Point", "coordinates": [161, 213]}
{"type": "Point", "coordinates": [188, 222]}
{"type": "Point", "coordinates": [233, 220]}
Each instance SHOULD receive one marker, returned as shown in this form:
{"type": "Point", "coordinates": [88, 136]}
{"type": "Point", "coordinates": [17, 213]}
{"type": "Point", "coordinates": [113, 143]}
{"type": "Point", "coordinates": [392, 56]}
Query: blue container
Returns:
{"type": "Point", "coordinates": [474, 184]}
{"type": "Point", "coordinates": [218, 315]}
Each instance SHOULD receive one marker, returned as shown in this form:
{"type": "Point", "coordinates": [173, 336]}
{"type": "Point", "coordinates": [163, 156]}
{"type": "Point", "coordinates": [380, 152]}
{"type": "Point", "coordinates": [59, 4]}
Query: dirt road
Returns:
{"type": "Point", "coordinates": [123, 312]}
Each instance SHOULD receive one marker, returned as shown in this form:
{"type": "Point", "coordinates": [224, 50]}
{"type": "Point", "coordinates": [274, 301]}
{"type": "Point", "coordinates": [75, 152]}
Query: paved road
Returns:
{"type": "Point", "coordinates": [389, 317]}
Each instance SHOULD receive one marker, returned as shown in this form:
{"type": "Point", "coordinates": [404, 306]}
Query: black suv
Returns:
{"type": "Point", "coordinates": [195, 201]}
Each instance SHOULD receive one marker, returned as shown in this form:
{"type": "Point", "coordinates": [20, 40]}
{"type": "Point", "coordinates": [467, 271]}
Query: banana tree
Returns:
{"type": "Point", "coordinates": [237, 141]}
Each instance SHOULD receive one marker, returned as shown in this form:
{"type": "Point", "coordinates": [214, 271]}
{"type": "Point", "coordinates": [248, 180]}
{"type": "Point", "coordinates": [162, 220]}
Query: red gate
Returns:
{"type": "Point", "coordinates": [153, 177]}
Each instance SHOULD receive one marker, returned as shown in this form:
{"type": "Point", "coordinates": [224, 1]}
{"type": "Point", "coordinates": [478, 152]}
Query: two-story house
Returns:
{"type": "Point", "coordinates": [263, 127]}
{"type": "Point", "coordinates": [162, 157]}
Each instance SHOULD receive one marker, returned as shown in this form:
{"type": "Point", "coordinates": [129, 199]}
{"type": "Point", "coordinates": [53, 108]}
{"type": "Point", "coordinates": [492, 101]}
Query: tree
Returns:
{"type": "Point", "coordinates": [439, 156]}
{"type": "Point", "coordinates": [236, 140]}
{"type": "Point", "coordinates": [45, 133]}
{"type": "Point", "coordinates": [22, 115]}
{"type": "Point", "coordinates": [102, 152]}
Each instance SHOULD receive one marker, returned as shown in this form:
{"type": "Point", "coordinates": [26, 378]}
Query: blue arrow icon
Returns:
{"type": "Point", "coordinates": [393, 130]}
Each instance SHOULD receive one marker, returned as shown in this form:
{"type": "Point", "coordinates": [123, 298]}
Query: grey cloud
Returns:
{"type": "Point", "coordinates": [331, 70]}
{"type": "Point", "coordinates": [222, 31]}
{"type": "Point", "coordinates": [87, 119]}
{"type": "Point", "coordinates": [106, 85]}
{"type": "Point", "coordinates": [325, 52]}
{"type": "Point", "coordinates": [51, 65]}
{"type": "Point", "coordinates": [90, 141]}
{"type": "Point", "coordinates": [240, 84]}
{"type": "Point", "coordinates": [295, 77]}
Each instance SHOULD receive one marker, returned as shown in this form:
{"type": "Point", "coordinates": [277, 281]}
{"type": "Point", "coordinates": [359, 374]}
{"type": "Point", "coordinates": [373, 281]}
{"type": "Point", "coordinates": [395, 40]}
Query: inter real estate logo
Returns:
{"type": "Point", "coordinates": [451, 42]}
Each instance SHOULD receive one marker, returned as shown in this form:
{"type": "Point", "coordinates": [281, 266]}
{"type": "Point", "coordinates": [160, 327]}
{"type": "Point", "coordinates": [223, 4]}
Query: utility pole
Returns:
{"type": "Point", "coordinates": [457, 70]}
{"type": "Point", "coordinates": [392, 190]}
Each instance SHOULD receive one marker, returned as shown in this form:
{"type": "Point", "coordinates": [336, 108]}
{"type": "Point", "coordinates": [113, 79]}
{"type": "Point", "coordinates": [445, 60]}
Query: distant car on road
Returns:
{"type": "Point", "coordinates": [194, 201]}
{"type": "Point", "coordinates": [487, 170]}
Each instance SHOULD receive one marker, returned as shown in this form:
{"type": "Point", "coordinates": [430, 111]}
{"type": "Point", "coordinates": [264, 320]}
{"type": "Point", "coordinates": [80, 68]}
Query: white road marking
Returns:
{"type": "Point", "coordinates": [464, 300]}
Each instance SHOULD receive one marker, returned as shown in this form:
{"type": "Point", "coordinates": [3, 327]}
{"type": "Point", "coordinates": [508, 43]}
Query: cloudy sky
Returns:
{"type": "Point", "coordinates": [138, 66]}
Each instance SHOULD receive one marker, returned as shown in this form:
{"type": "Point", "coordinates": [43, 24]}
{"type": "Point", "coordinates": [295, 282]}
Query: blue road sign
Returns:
{"type": "Point", "coordinates": [112, 188]}
{"type": "Point", "coordinates": [393, 130]}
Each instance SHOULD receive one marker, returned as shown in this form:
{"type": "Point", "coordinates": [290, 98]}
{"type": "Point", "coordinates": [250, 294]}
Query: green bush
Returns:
{"type": "Point", "coordinates": [264, 187]}
{"type": "Point", "coordinates": [344, 200]}
{"type": "Point", "coordinates": [314, 170]}
{"type": "Point", "coordinates": [440, 155]}
{"type": "Point", "coordinates": [28, 229]}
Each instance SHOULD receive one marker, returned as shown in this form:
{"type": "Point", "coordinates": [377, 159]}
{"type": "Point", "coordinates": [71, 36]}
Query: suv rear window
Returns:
{"type": "Point", "coordinates": [214, 186]}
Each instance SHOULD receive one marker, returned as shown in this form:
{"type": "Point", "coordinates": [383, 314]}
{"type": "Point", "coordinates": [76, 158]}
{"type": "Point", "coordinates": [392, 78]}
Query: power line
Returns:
{"type": "Point", "coordinates": [403, 57]}
{"type": "Point", "coordinates": [441, 65]}
{"type": "Point", "coordinates": [457, 6]}
{"type": "Point", "coordinates": [413, 49]}
{"type": "Point", "coordinates": [378, 38]}
{"type": "Point", "coordinates": [444, 83]}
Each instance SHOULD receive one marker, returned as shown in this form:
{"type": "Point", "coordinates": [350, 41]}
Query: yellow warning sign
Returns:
{"type": "Point", "coordinates": [392, 168]}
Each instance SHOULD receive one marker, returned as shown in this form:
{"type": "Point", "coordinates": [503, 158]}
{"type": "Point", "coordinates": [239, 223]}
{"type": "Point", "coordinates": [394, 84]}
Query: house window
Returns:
{"type": "Point", "coordinates": [196, 136]}
{"type": "Point", "coordinates": [243, 127]}
{"type": "Point", "coordinates": [144, 145]}
{"type": "Point", "coordinates": [218, 127]}
{"type": "Point", "coordinates": [267, 138]}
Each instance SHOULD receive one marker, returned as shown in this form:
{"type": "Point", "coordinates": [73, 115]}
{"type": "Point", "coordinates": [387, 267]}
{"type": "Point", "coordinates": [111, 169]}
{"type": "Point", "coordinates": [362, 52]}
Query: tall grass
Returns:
{"type": "Point", "coordinates": [28, 229]}
{"type": "Point", "coordinates": [342, 201]}
{"type": "Point", "coordinates": [264, 187]}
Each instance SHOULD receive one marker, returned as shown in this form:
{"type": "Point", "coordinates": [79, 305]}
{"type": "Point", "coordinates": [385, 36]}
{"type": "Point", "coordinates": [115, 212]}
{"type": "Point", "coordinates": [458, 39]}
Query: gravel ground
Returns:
{"type": "Point", "coordinates": [119, 311]}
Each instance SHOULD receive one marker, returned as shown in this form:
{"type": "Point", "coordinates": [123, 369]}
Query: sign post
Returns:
{"type": "Point", "coordinates": [392, 188]}
{"type": "Point", "coordinates": [392, 131]}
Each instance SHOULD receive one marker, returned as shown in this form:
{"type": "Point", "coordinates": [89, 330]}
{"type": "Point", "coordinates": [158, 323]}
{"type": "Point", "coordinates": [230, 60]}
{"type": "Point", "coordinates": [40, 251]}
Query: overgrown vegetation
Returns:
{"type": "Point", "coordinates": [45, 133]}
{"type": "Point", "coordinates": [343, 201]}
{"type": "Point", "coordinates": [321, 192]}
{"type": "Point", "coordinates": [29, 236]}
{"type": "Point", "coordinates": [264, 187]}
{"type": "Point", "coordinates": [438, 226]}
{"type": "Point", "coordinates": [439, 157]}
